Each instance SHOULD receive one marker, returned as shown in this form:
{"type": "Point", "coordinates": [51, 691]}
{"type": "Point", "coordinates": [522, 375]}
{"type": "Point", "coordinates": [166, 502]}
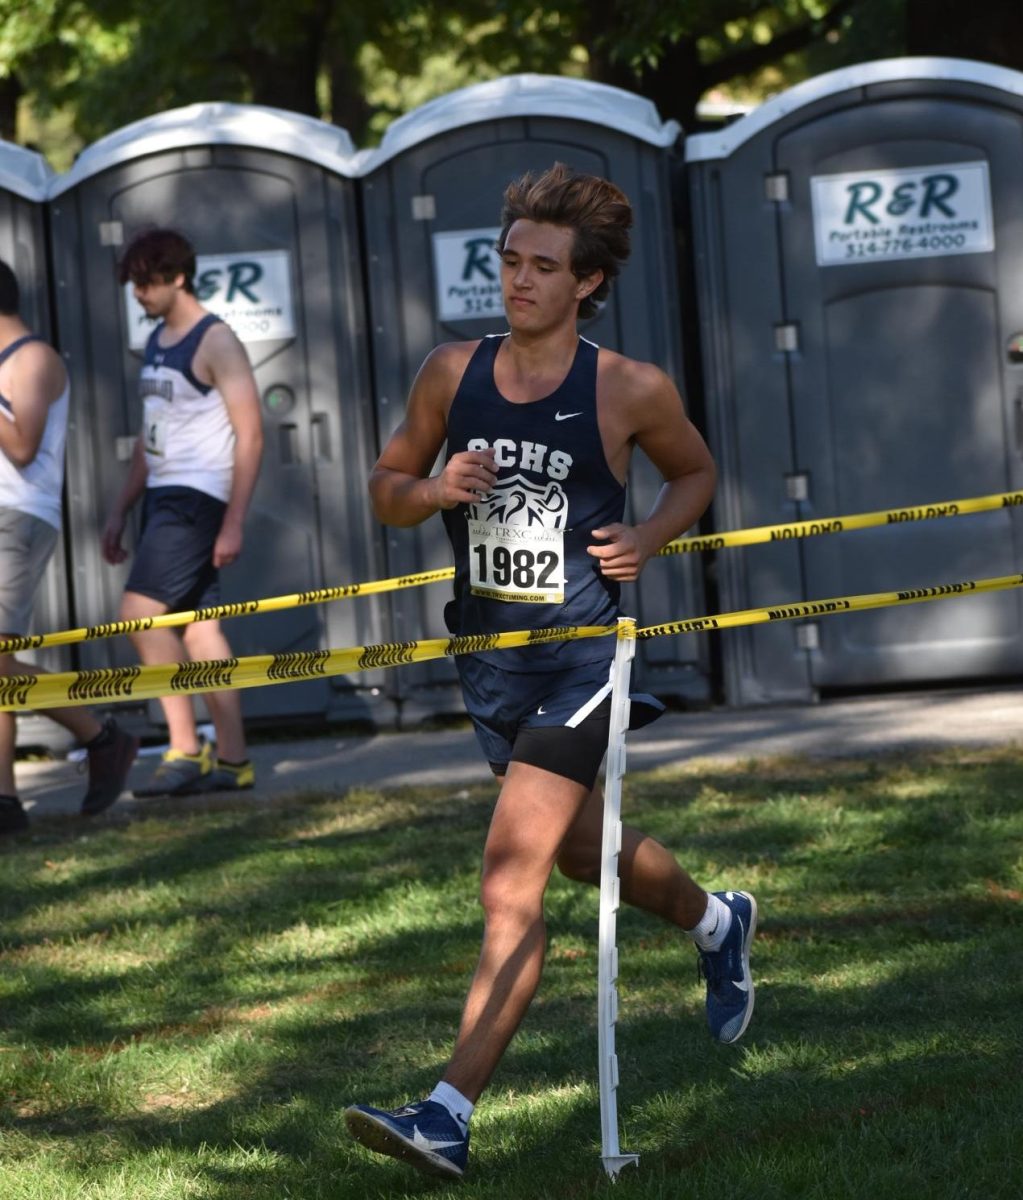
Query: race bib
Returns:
{"type": "Point", "coordinates": [155, 431]}
{"type": "Point", "coordinates": [516, 563]}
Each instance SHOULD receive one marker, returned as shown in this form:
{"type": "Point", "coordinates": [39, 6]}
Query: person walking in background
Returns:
{"type": "Point", "coordinates": [196, 462]}
{"type": "Point", "coordinates": [540, 425]}
{"type": "Point", "coordinates": [33, 426]}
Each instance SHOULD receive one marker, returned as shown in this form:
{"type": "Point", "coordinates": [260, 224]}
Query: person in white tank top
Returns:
{"type": "Point", "coordinates": [33, 426]}
{"type": "Point", "coordinates": [197, 462]}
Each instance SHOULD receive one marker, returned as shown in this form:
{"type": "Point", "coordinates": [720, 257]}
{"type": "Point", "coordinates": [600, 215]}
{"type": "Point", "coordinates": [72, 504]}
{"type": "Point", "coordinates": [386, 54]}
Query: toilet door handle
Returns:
{"type": "Point", "coordinates": [321, 438]}
{"type": "Point", "coordinates": [287, 443]}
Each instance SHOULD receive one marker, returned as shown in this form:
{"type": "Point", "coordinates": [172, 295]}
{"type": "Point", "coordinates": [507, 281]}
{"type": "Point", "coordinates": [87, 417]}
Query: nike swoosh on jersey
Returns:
{"type": "Point", "coordinates": [560, 416]}
{"type": "Point", "coordinates": [425, 1143]}
{"type": "Point", "coordinates": [541, 711]}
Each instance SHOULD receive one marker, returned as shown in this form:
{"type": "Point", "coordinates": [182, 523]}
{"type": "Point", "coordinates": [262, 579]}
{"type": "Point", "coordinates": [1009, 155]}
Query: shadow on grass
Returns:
{"type": "Point", "coordinates": [889, 994]}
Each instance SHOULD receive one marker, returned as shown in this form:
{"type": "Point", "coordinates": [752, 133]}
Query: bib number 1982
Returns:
{"type": "Point", "coordinates": [516, 564]}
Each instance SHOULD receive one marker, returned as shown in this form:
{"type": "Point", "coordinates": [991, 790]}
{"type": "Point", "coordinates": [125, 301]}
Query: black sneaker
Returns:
{"type": "Point", "coordinates": [13, 818]}
{"type": "Point", "coordinates": [109, 764]}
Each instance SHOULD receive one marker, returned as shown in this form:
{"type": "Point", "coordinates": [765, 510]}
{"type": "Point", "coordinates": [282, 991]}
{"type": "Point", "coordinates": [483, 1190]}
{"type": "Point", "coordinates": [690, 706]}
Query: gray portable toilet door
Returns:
{"type": "Point", "coordinates": [899, 378]}
{"type": "Point", "coordinates": [232, 212]}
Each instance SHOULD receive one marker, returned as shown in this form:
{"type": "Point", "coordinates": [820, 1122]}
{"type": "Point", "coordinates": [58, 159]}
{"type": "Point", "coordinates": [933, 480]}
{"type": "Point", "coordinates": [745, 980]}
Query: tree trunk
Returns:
{"type": "Point", "coordinates": [10, 93]}
{"type": "Point", "coordinates": [286, 80]}
{"type": "Point", "coordinates": [985, 30]}
{"type": "Point", "coordinates": [348, 106]}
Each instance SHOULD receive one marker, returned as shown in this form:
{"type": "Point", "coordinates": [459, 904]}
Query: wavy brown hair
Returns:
{"type": "Point", "coordinates": [161, 254]}
{"type": "Point", "coordinates": [598, 213]}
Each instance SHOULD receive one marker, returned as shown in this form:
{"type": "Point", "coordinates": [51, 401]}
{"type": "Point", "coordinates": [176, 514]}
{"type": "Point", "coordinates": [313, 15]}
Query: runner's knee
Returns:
{"type": "Point", "coordinates": [580, 864]}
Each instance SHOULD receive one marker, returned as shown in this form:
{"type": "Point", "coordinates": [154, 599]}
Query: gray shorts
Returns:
{"type": "Point", "coordinates": [26, 543]}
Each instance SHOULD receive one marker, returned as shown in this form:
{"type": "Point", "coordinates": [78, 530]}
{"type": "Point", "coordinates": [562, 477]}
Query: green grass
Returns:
{"type": "Point", "coordinates": [190, 996]}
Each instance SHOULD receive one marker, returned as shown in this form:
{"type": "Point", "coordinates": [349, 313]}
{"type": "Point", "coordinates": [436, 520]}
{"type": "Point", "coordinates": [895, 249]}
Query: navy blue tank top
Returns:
{"type": "Point", "coordinates": [520, 552]}
{"type": "Point", "coordinates": [179, 356]}
{"type": "Point", "coordinates": [5, 404]}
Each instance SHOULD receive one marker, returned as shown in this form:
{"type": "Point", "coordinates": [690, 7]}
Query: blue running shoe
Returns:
{"type": "Point", "coordinates": [729, 984]}
{"type": "Point", "coordinates": [425, 1135]}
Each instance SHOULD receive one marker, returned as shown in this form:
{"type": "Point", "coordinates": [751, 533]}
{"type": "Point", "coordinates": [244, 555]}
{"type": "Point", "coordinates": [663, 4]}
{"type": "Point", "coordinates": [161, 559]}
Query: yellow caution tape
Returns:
{"type": "Point", "coordinates": [740, 537]}
{"type": "Point", "coordinates": [803, 529]}
{"type": "Point", "coordinates": [220, 612]}
{"type": "Point", "coordinates": [827, 608]}
{"type": "Point", "coordinates": [117, 684]}
{"type": "Point", "coordinates": [146, 683]}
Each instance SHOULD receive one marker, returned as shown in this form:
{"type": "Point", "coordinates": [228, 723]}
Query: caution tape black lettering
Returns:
{"type": "Point", "coordinates": [104, 683]}
{"type": "Point", "coordinates": [693, 625]}
{"type": "Point", "coordinates": [298, 664]}
{"type": "Point", "coordinates": [388, 654]}
{"type": "Point", "coordinates": [207, 676]}
{"type": "Point", "coordinates": [927, 513]}
{"type": "Point", "coordinates": [806, 529]}
{"type": "Point", "coordinates": [112, 628]}
{"type": "Point", "coordinates": [342, 592]}
{"type": "Point", "coordinates": [945, 589]}
{"type": "Point", "coordinates": [471, 643]}
{"type": "Point", "coordinates": [555, 633]}
{"type": "Point", "coordinates": [241, 608]}
{"type": "Point", "coordinates": [814, 608]}
{"type": "Point", "coordinates": [15, 690]}
{"type": "Point", "coordinates": [30, 641]}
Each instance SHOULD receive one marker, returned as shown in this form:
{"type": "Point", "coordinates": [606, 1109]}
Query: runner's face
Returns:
{"type": "Point", "coordinates": [537, 283]}
{"type": "Point", "coordinates": [157, 296]}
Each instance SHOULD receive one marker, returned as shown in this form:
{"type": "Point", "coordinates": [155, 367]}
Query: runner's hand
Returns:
{"type": "Point", "coordinates": [228, 546]}
{"type": "Point", "coordinates": [466, 477]}
{"type": "Point", "coordinates": [621, 554]}
{"type": "Point", "coordinates": [110, 540]}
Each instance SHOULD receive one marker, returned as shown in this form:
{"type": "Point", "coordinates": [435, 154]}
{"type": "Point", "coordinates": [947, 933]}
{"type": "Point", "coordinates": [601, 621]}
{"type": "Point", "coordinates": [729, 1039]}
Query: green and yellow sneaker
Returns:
{"type": "Point", "coordinates": [179, 774]}
{"type": "Point", "coordinates": [229, 777]}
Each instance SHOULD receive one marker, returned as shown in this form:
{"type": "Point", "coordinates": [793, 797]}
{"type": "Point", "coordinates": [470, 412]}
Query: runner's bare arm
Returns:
{"type": "Point", "coordinates": [223, 360]}
{"type": "Point", "coordinates": [652, 417]}
{"type": "Point", "coordinates": [35, 377]}
{"type": "Point", "coordinates": [401, 487]}
{"type": "Point", "coordinates": [110, 539]}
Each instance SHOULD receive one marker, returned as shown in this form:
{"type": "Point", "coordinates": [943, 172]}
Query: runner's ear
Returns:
{"type": "Point", "coordinates": [589, 283]}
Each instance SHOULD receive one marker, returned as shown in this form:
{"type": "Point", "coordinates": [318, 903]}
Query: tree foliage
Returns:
{"type": "Point", "coordinates": [361, 62]}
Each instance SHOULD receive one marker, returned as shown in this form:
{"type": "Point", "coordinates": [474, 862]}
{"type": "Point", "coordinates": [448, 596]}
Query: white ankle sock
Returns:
{"type": "Point", "coordinates": [454, 1102]}
{"type": "Point", "coordinates": [713, 926]}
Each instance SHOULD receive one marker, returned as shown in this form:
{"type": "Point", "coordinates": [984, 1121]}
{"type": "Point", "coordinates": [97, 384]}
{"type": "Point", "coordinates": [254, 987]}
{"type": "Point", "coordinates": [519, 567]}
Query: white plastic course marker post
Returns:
{"type": "Point", "coordinates": [607, 969]}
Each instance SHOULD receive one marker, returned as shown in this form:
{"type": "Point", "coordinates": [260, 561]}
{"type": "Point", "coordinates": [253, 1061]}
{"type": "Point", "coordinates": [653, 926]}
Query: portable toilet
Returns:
{"type": "Point", "coordinates": [24, 175]}
{"type": "Point", "coordinates": [432, 194]}
{"type": "Point", "coordinates": [858, 254]}
{"type": "Point", "coordinates": [267, 199]}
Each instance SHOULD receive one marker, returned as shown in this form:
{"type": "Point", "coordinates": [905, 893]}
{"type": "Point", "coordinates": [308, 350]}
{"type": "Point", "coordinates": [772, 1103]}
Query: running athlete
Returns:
{"type": "Point", "coordinates": [540, 425]}
{"type": "Point", "coordinates": [197, 462]}
{"type": "Point", "coordinates": [33, 426]}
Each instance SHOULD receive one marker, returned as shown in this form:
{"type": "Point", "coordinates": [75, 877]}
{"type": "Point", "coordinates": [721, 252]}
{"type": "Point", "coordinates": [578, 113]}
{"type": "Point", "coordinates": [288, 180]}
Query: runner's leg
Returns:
{"type": "Point", "coordinates": [651, 879]}
{"type": "Point", "coordinates": [534, 811]}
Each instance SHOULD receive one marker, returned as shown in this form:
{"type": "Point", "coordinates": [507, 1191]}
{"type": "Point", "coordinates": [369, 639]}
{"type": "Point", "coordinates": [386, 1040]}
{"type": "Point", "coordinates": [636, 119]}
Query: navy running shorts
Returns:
{"type": "Point", "coordinates": [174, 557]}
{"type": "Point", "coordinates": [556, 720]}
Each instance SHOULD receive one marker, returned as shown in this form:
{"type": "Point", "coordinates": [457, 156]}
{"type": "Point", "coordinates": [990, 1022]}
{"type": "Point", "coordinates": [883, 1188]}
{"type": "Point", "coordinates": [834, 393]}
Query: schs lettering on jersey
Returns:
{"type": "Point", "coordinates": [186, 430]}
{"type": "Point", "coordinates": [521, 558]}
{"type": "Point", "coordinates": [531, 456]}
